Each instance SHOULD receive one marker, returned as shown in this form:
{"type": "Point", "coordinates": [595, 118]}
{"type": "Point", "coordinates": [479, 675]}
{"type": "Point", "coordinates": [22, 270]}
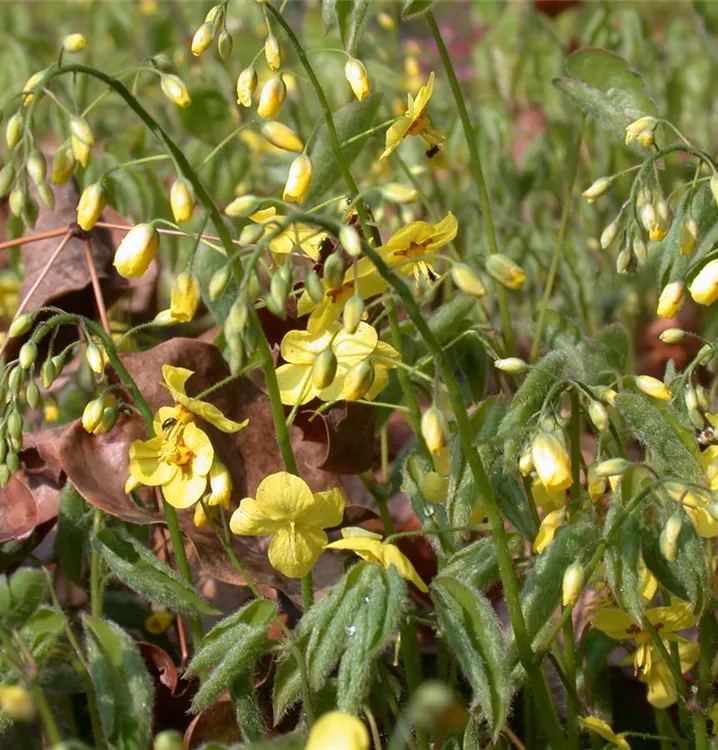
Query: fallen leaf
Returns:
{"type": "Point", "coordinates": [217, 723]}
{"type": "Point", "coordinates": [18, 511]}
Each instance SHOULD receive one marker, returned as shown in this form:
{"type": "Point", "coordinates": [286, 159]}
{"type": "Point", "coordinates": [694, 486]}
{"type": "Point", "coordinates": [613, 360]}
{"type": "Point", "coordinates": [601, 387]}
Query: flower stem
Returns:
{"type": "Point", "coordinates": [704, 680]}
{"type": "Point", "coordinates": [96, 588]}
{"type": "Point", "coordinates": [49, 723]}
{"type": "Point", "coordinates": [307, 591]}
{"type": "Point", "coordinates": [560, 243]}
{"type": "Point", "coordinates": [478, 174]}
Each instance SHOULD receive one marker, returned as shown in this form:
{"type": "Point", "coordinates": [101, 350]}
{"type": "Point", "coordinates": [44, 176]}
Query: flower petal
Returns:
{"type": "Point", "coordinates": [285, 497]}
{"type": "Point", "coordinates": [145, 464]}
{"type": "Point", "coordinates": [326, 511]}
{"type": "Point", "coordinates": [293, 551]}
{"type": "Point", "coordinates": [392, 555]}
{"type": "Point", "coordinates": [301, 347]}
{"type": "Point", "coordinates": [199, 443]}
{"type": "Point", "coordinates": [351, 348]}
{"type": "Point", "coordinates": [443, 232]}
{"type": "Point", "coordinates": [248, 520]}
{"type": "Point", "coordinates": [184, 489]}
{"type": "Point", "coordinates": [295, 384]}
{"type": "Point", "coordinates": [614, 622]}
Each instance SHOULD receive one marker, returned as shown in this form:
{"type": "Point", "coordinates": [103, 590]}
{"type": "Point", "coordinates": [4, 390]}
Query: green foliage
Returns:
{"type": "Point", "coordinates": [20, 596]}
{"type": "Point", "coordinates": [476, 564]}
{"type": "Point", "coordinates": [144, 573]}
{"type": "Point", "coordinates": [72, 530]}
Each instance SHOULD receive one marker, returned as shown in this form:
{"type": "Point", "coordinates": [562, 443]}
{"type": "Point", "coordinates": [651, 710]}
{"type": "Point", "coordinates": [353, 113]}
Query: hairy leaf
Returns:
{"type": "Point", "coordinates": [476, 564]}
{"type": "Point", "coordinates": [20, 595]}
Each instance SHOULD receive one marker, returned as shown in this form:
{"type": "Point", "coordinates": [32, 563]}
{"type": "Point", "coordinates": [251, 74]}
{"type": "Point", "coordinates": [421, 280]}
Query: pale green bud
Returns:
{"type": "Point", "coordinates": [242, 207]}
{"type": "Point", "coordinates": [668, 541]}
{"type": "Point", "coordinates": [314, 287]}
{"type": "Point", "coordinates": [219, 282]}
{"type": "Point", "coordinates": [251, 234]}
{"type": "Point", "coordinates": [37, 167]}
{"type": "Point", "coordinates": [21, 325]}
{"type": "Point", "coordinates": [93, 355]}
{"type": "Point", "coordinates": [598, 188]}
{"type": "Point", "coordinates": [32, 395]}
{"type": "Point", "coordinates": [358, 380]}
{"type": "Point", "coordinates": [324, 369]}
{"type": "Point", "coordinates": [512, 365]}
{"type": "Point", "coordinates": [672, 336]}
{"type": "Point", "coordinates": [467, 280]}
{"type": "Point", "coordinates": [609, 234]}
{"type": "Point", "coordinates": [13, 131]}
{"type": "Point", "coordinates": [7, 177]}
{"type": "Point", "coordinates": [27, 355]}
{"type": "Point", "coordinates": [599, 416]}
{"type": "Point", "coordinates": [349, 239]}
{"type": "Point", "coordinates": [689, 236]}
{"type": "Point", "coordinates": [572, 584]}
{"type": "Point", "coordinates": [353, 312]}
{"type": "Point", "coordinates": [612, 467]}
{"type": "Point", "coordinates": [334, 269]}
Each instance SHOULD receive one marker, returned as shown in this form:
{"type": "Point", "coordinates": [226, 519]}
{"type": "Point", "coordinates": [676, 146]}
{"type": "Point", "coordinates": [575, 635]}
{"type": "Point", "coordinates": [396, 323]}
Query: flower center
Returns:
{"type": "Point", "coordinates": [341, 293]}
{"type": "Point", "coordinates": [419, 123]}
{"type": "Point", "coordinates": [414, 250]}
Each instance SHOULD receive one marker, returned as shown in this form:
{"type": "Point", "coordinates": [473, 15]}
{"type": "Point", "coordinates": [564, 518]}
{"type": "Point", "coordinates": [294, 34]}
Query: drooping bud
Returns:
{"type": "Point", "coordinates": [398, 193]}
{"type": "Point", "coordinates": [572, 584]}
{"type": "Point", "coordinates": [434, 430]}
{"type": "Point", "coordinates": [251, 234]}
{"type": "Point", "coordinates": [612, 467]}
{"type": "Point", "coordinates": [239, 315]}
{"type": "Point", "coordinates": [219, 282]}
{"type": "Point", "coordinates": [704, 287]}
{"type": "Point", "coordinates": [272, 52]}
{"type": "Point", "coordinates": [671, 300]}
{"type": "Point", "coordinates": [242, 207]}
{"type": "Point", "coordinates": [643, 127]}
{"type": "Point", "coordinates": [551, 461]}
{"type": "Point", "coordinates": [92, 414]}
{"type": "Point", "coordinates": [653, 387]}
{"type": "Point", "coordinates": [353, 312]}
{"type": "Point", "coordinates": [357, 78]}
{"type": "Point", "coordinates": [526, 463]}
{"type": "Point", "coordinates": [648, 216]}
{"type": "Point", "coordinates": [175, 89]}
{"type": "Point", "coordinates": [225, 44]}
{"type": "Point", "coordinates": [27, 355]}
{"type": "Point", "coordinates": [358, 380]}
{"type": "Point", "coordinates": [670, 533]}
{"type": "Point", "coordinates": [298, 180]}
{"type": "Point", "coordinates": [63, 165]}
{"type": "Point", "coordinates": [505, 271]}
{"type": "Point", "coordinates": [334, 269]}
{"type": "Point", "coordinates": [74, 43]}
{"type": "Point", "coordinates": [92, 202]}
{"type": "Point", "coordinates": [202, 39]}
{"type": "Point", "coordinates": [15, 424]}
{"type": "Point", "coordinates": [17, 200]}
{"type": "Point", "coordinates": [640, 249]}
{"type": "Point", "coordinates": [626, 262]}
{"type": "Point", "coordinates": [467, 280]}
{"type": "Point", "coordinates": [689, 236]}
{"type": "Point", "coordinates": [136, 251]}
{"type": "Point", "coordinates": [338, 730]}
{"type": "Point", "coordinates": [324, 369]}
{"type": "Point", "coordinates": [37, 167]}
{"type": "Point", "coordinates": [30, 84]}
{"type": "Point", "coordinates": [81, 130]}
{"type": "Point", "coordinates": [93, 355]}
{"type": "Point", "coordinates": [220, 484]}
{"type": "Point", "coordinates": [274, 92]}
{"type": "Point", "coordinates": [47, 373]}
{"type": "Point", "coordinates": [349, 240]}
{"type": "Point", "coordinates": [277, 299]}
{"type": "Point", "coordinates": [703, 397]}
{"type": "Point", "coordinates": [182, 200]}
{"type": "Point", "coordinates": [7, 177]}
{"type": "Point", "coordinates": [664, 217]}
{"type": "Point", "coordinates": [313, 286]}
{"type": "Point", "coordinates": [21, 325]}
{"type": "Point", "coordinates": [283, 137]}
{"type": "Point", "coordinates": [246, 86]}
{"type": "Point", "coordinates": [32, 395]}
{"type": "Point", "coordinates": [609, 234]}
{"type": "Point", "coordinates": [13, 131]}
{"type": "Point", "coordinates": [599, 416]}
{"type": "Point", "coordinates": [512, 365]}
{"type": "Point", "coordinates": [185, 297]}
{"type": "Point", "coordinates": [81, 152]}
{"type": "Point", "coordinates": [598, 188]}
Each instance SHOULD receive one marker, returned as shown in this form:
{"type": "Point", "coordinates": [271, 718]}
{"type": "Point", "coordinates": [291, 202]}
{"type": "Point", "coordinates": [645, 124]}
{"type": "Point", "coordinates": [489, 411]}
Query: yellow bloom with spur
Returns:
{"type": "Point", "coordinates": [295, 517]}
{"type": "Point", "coordinates": [318, 363]}
{"type": "Point", "coordinates": [410, 250]}
{"type": "Point", "coordinates": [295, 235]}
{"type": "Point", "coordinates": [647, 659]}
{"type": "Point", "coordinates": [370, 547]}
{"type": "Point", "coordinates": [415, 122]}
{"type": "Point", "coordinates": [603, 729]}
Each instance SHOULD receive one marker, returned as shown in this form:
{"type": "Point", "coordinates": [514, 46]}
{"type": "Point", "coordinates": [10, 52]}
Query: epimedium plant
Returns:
{"type": "Point", "coordinates": [566, 497]}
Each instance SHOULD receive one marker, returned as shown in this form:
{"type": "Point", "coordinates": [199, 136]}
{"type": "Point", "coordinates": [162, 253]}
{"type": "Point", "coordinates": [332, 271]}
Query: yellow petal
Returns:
{"type": "Point", "coordinates": [295, 384]}
{"type": "Point", "coordinates": [547, 500]}
{"type": "Point", "coordinates": [203, 452]}
{"type": "Point", "coordinates": [550, 525]}
{"type": "Point", "coordinates": [285, 497]}
{"type": "Point", "coordinates": [614, 622]}
{"type": "Point", "coordinates": [326, 511]}
{"type": "Point", "coordinates": [443, 232]}
{"type": "Point", "coordinates": [293, 551]}
{"type": "Point", "coordinates": [351, 348]}
{"type": "Point", "coordinates": [661, 685]}
{"type": "Point", "coordinates": [392, 555]}
{"type": "Point", "coordinates": [184, 489]}
{"type": "Point", "coordinates": [301, 347]}
{"type": "Point", "coordinates": [678, 616]}
{"type": "Point", "coordinates": [145, 464]}
{"type": "Point", "coordinates": [338, 731]}
{"type": "Point", "coordinates": [249, 520]}
{"type": "Point", "coordinates": [601, 728]}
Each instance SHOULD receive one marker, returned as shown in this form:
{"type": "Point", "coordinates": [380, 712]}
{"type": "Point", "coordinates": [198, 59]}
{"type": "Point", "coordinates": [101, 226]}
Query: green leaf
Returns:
{"type": "Point", "coordinates": [416, 8]}
{"type": "Point", "coordinates": [348, 16]}
{"type": "Point", "coordinates": [472, 630]}
{"type": "Point", "coordinates": [476, 564]}
{"type": "Point", "coordinates": [145, 574]}
{"type": "Point", "coordinates": [350, 120]}
{"type": "Point", "coordinates": [559, 331]}
{"type": "Point", "coordinates": [208, 116]}
{"type": "Point", "coordinates": [606, 353]}
{"type": "Point", "coordinates": [605, 87]}
{"type": "Point", "coordinates": [655, 423]}
{"type": "Point", "coordinates": [41, 632]}
{"type": "Point", "coordinates": [206, 263]}
{"type": "Point", "coordinates": [122, 684]}
{"type": "Point", "coordinates": [514, 503]}
{"type": "Point", "coordinates": [430, 514]}
{"type": "Point", "coordinates": [20, 596]}
{"type": "Point", "coordinates": [72, 533]}
{"type": "Point", "coordinates": [451, 317]}
{"type": "Point", "coordinates": [247, 710]}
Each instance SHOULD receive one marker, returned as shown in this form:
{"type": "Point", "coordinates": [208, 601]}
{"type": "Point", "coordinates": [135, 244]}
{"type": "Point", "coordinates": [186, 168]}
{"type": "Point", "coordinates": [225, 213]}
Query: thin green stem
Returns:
{"type": "Point", "coordinates": [307, 591]}
{"type": "Point", "coordinates": [704, 680]}
{"type": "Point", "coordinates": [96, 588]}
{"type": "Point", "coordinates": [49, 723]}
{"type": "Point", "coordinates": [478, 174]}
{"type": "Point", "coordinates": [560, 243]}
{"type": "Point", "coordinates": [572, 707]}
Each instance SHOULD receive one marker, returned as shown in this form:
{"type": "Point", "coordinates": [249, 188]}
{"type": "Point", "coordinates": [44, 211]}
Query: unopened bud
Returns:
{"type": "Point", "coordinates": [32, 395]}
{"type": "Point", "coordinates": [324, 369]}
{"type": "Point", "coordinates": [215, 15]}
{"type": "Point", "coordinates": [664, 217]}
{"type": "Point", "coordinates": [313, 286]}
{"type": "Point", "coordinates": [185, 297]}
{"type": "Point", "coordinates": [13, 131]}
{"type": "Point", "coordinates": [137, 251]}
{"type": "Point", "coordinates": [272, 52]}
{"type": "Point", "coordinates": [219, 282]}
{"type": "Point", "coordinates": [21, 325]}
{"type": "Point", "coordinates": [298, 180]}
{"type": "Point", "coordinates": [182, 200]}
{"type": "Point", "coordinates": [274, 92]}
{"type": "Point", "coordinates": [626, 262]}
{"type": "Point", "coordinates": [17, 703]}
{"type": "Point", "coordinates": [512, 365]}
{"type": "Point", "coordinates": [640, 127]}
{"type": "Point", "coordinates": [7, 177]}
{"type": "Point", "coordinates": [612, 467]}
{"type": "Point", "coordinates": [668, 542]}
{"type": "Point", "coordinates": [239, 315]}
{"type": "Point", "coordinates": [93, 355]}
{"type": "Point", "coordinates": [572, 584]}
{"type": "Point", "coordinates": [505, 271]}
{"type": "Point", "coordinates": [672, 336]}
{"type": "Point", "coordinates": [63, 165]}
{"type": "Point", "coordinates": [30, 84]}
{"type": "Point", "coordinates": [12, 461]}
{"type": "Point", "coordinates": [434, 430]}
{"type": "Point", "coordinates": [74, 43]}
{"type": "Point", "coordinates": [47, 373]}
{"type": "Point", "coordinates": [246, 86]}
{"type": "Point", "coordinates": [671, 300]}
{"type": "Point", "coordinates": [653, 387]}
{"type": "Point", "coordinates": [92, 414]}
{"type": "Point", "coordinates": [526, 462]}
{"type": "Point", "coordinates": [599, 416]}
{"type": "Point", "coordinates": [15, 424]}
{"type": "Point", "coordinates": [358, 380]}
{"type": "Point", "coordinates": [334, 269]}
{"type": "Point", "coordinates": [27, 355]}
{"type": "Point", "coordinates": [92, 202]}
{"type": "Point", "coordinates": [467, 280]}
{"type": "Point", "coordinates": [277, 300]}
{"type": "Point", "coordinates": [349, 240]}
{"type": "Point", "coordinates": [609, 234]}
{"type": "Point", "coordinates": [648, 216]}
{"type": "Point", "coordinates": [37, 167]}
{"type": "Point", "coordinates": [598, 188]}
{"type": "Point", "coordinates": [17, 200]}
{"type": "Point", "coordinates": [689, 236]}
{"type": "Point", "coordinates": [202, 39]}
{"type": "Point", "coordinates": [82, 131]}
{"type": "Point", "coordinates": [168, 739]}
{"type": "Point", "coordinates": [356, 76]}
{"type": "Point", "coordinates": [283, 137]}
{"type": "Point", "coordinates": [703, 398]}
{"type": "Point", "coordinates": [353, 313]}
{"type": "Point", "coordinates": [174, 88]}
{"type": "Point", "coordinates": [640, 249]}
{"type": "Point", "coordinates": [225, 44]}
{"type": "Point", "coordinates": [242, 207]}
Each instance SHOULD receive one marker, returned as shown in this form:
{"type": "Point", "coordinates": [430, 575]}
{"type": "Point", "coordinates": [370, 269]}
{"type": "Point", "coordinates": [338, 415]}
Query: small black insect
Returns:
{"type": "Point", "coordinates": [169, 422]}
{"type": "Point", "coordinates": [432, 152]}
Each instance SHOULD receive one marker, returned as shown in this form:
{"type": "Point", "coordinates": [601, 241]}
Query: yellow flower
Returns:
{"type": "Point", "coordinates": [273, 94]}
{"type": "Point", "coordinates": [136, 251]}
{"type": "Point", "coordinates": [294, 516]}
{"type": "Point", "coordinates": [17, 703]}
{"type": "Point", "coordinates": [602, 729]}
{"type": "Point", "coordinates": [550, 525]}
{"type": "Point", "coordinates": [547, 500]}
{"type": "Point", "coordinates": [182, 200]}
{"type": "Point", "coordinates": [306, 238]}
{"type": "Point", "coordinates": [368, 547]}
{"type": "Point", "coordinates": [696, 502]}
{"type": "Point", "coordinates": [409, 250]}
{"type": "Point", "coordinates": [74, 43]}
{"type": "Point", "coordinates": [357, 78]}
{"type": "Point", "coordinates": [704, 288]}
{"type": "Point", "coordinates": [300, 349]}
{"type": "Point", "coordinates": [175, 89]}
{"type": "Point", "coordinates": [653, 387]}
{"type": "Point", "coordinates": [298, 180]}
{"type": "Point", "coordinates": [175, 379]}
{"type": "Point", "coordinates": [90, 205]}
{"type": "Point", "coordinates": [159, 622]}
{"type": "Point", "coordinates": [415, 122]}
{"type": "Point", "coordinates": [647, 660]}
{"type": "Point", "coordinates": [185, 297]}
{"type": "Point", "coordinates": [551, 461]}
{"type": "Point", "coordinates": [337, 731]}
{"type": "Point", "coordinates": [671, 300]}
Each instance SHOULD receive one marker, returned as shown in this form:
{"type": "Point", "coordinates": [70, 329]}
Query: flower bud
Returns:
{"type": "Point", "coordinates": [30, 84]}
{"type": "Point", "coordinates": [12, 461]}
{"type": "Point", "coordinates": [551, 461]}
{"type": "Point", "coordinates": [467, 280]}
{"type": "Point", "coordinates": [664, 216]}
{"type": "Point", "coordinates": [15, 424]}
{"type": "Point", "coordinates": [253, 286]}
{"type": "Point", "coordinates": [691, 398]}
{"type": "Point", "coordinates": [640, 249]}
{"type": "Point", "coordinates": [313, 287]}
{"type": "Point", "coordinates": [15, 379]}
{"type": "Point", "coordinates": [7, 177]}
{"type": "Point", "coordinates": [272, 53]}
{"type": "Point", "coordinates": [27, 355]}
{"type": "Point", "coordinates": [703, 397]}
{"type": "Point", "coordinates": [219, 282]}
{"type": "Point", "coordinates": [168, 739]}
{"type": "Point", "coordinates": [63, 165]}
{"type": "Point", "coordinates": [239, 315]}
{"type": "Point", "coordinates": [338, 731]}
{"type": "Point", "coordinates": [671, 300]}
{"type": "Point", "coordinates": [81, 130]}
{"type": "Point", "coordinates": [215, 15]}
{"type": "Point", "coordinates": [32, 395]}
{"type": "Point", "coordinates": [185, 297]}
{"type": "Point", "coordinates": [182, 200]}
{"type": "Point", "coordinates": [225, 44]}
{"type": "Point", "coordinates": [13, 131]}
{"type": "Point", "coordinates": [643, 127]}
{"type": "Point", "coordinates": [274, 92]}
{"type": "Point", "coordinates": [81, 152]}
{"type": "Point", "coordinates": [626, 262]}
{"type": "Point", "coordinates": [136, 251]}
{"type": "Point", "coordinates": [598, 188]}
{"type": "Point", "coordinates": [92, 202]}
{"type": "Point", "coordinates": [526, 463]}
{"type": "Point", "coordinates": [21, 325]}
{"type": "Point", "coordinates": [599, 416]}
{"type": "Point", "coordinates": [93, 355]}
{"type": "Point", "coordinates": [688, 236]}
{"type": "Point", "coordinates": [358, 380]}
{"type": "Point", "coordinates": [609, 234]}
{"type": "Point", "coordinates": [277, 300]}
{"type": "Point", "coordinates": [174, 88]}
{"type": "Point", "coordinates": [47, 373]}
{"type": "Point", "coordinates": [398, 193]}
{"type": "Point", "coordinates": [17, 200]}
{"type": "Point", "coordinates": [74, 43]}
{"type": "Point", "coordinates": [648, 216]}
{"type": "Point", "coordinates": [334, 269]}
{"type": "Point", "coordinates": [59, 364]}
{"type": "Point", "coordinates": [202, 39]}
{"type": "Point", "coordinates": [283, 137]}
{"type": "Point", "coordinates": [596, 485]}
{"type": "Point", "coordinates": [704, 287]}
{"type": "Point", "coordinates": [251, 234]}
{"type": "Point", "coordinates": [434, 430]}
{"type": "Point", "coordinates": [246, 86]}
{"type": "Point", "coordinates": [672, 336]}
{"type": "Point", "coordinates": [353, 313]}
{"type": "Point", "coordinates": [242, 207]}
{"type": "Point", "coordinates": [705, 354]}
{"type": "Point", "coordinates": [572, 584]}
{"type": "Point", "coordinates": [4, 475]}
{"type": "Point", "coordinates": [37, 167]}
{"type": "Point", "coordinates": [668, 541]}
{"type": "Point", "coordinates": [163, 63]}
{"type": "Point", "coordinates": [220, 484]}
{"type": "Point", "coordinates": [349, 240]}
{"type": "Point", "coordinates": [298, 180]}
{"type": "Point", "coordinates": [17, 703]}
{"type": "Point", "coordinates": [653, 387]}
{"type": "Point", "coordinates": [435, 487]}
{"type": "Point", "coordinates": [505, 271]}
{"type": "Point", "coordinates": [324, 369]}
{"type": "Point", "coordinates": [357, 78]}
{"type": "Point", "coordinates": [612, 467]}
{"type": "Point", "coordinates": [92, 414]}
{"type": "Point", "coordinates": [512, 365]}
